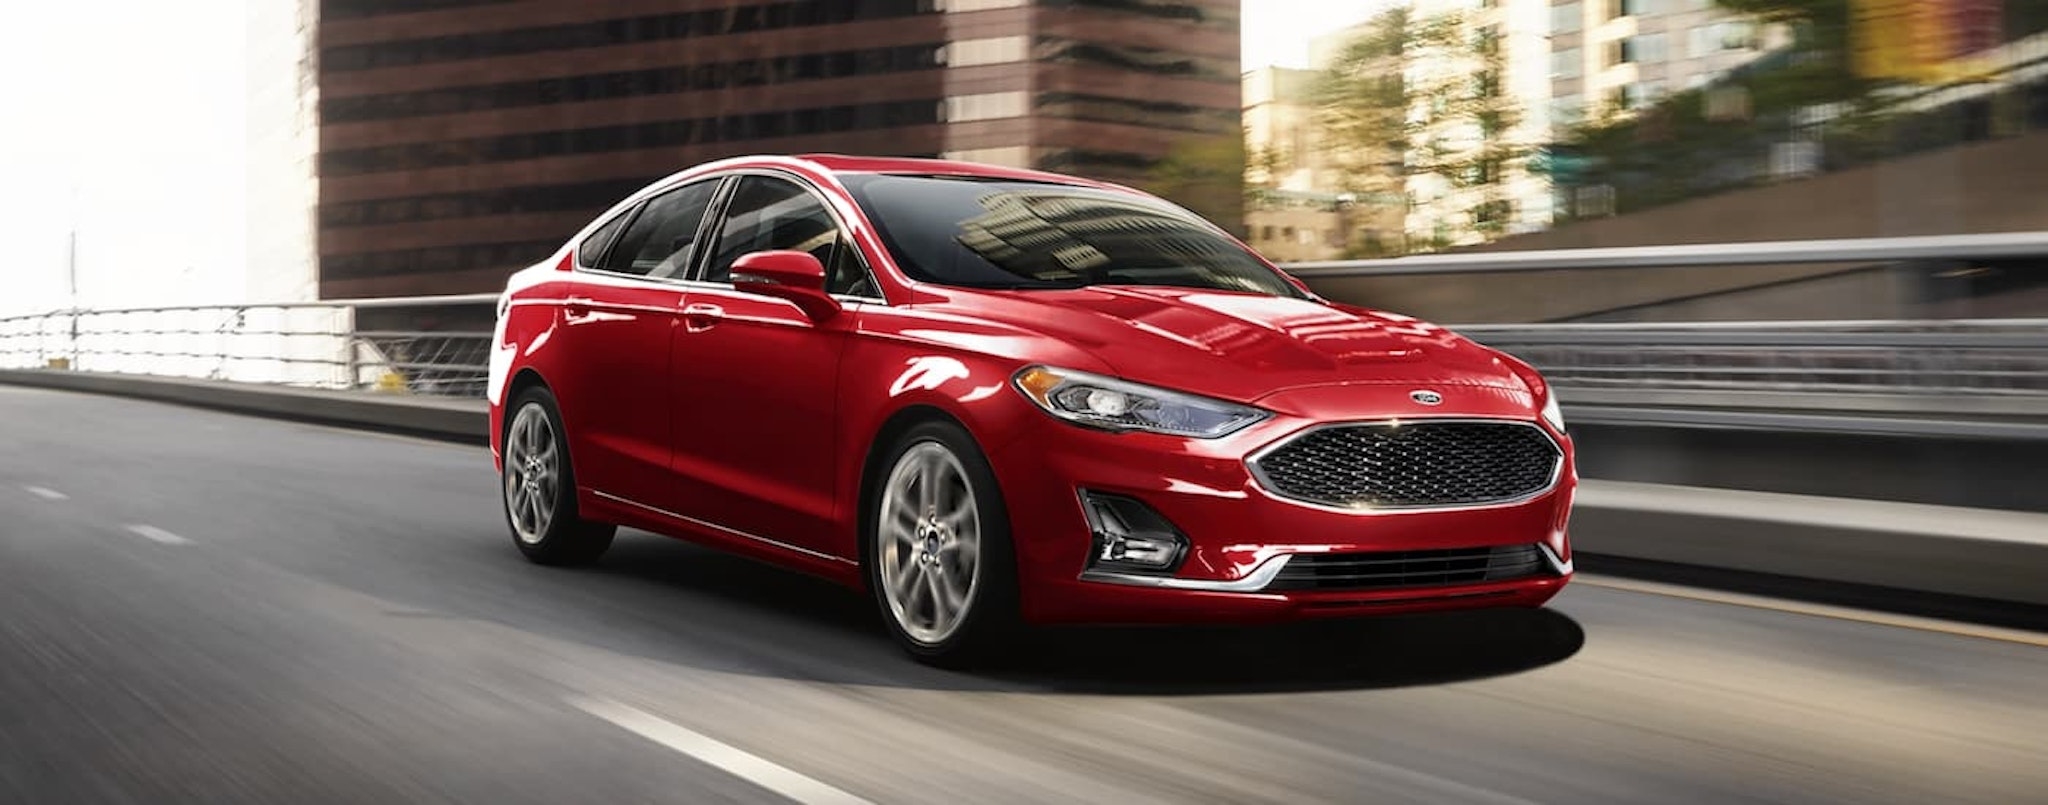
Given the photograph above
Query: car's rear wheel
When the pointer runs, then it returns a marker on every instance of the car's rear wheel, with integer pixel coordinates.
(540, 487)
(938, 549)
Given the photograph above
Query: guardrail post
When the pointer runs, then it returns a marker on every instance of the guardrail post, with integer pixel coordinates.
(352, 371)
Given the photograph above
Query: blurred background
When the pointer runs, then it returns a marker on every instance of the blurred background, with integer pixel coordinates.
(1782, 260)
(290, 150)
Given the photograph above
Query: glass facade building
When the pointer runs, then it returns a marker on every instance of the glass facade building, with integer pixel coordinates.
(462, 139)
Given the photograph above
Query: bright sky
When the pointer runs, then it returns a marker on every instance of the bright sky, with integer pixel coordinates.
(127, 119)
(1277, 32)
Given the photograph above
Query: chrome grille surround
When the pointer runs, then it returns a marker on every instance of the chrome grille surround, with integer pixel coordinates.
(1386, 570)
(1424, 464)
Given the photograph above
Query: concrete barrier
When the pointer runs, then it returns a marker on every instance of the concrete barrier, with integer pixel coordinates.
(450, 419)
(1984, 554)
(1944, 550)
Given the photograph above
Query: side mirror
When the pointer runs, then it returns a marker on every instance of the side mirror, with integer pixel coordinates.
(795, 276)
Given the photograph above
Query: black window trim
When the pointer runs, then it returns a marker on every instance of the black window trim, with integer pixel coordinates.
(632, 216)
(846, 232)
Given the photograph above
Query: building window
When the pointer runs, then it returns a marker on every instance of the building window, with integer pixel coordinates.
(1152, 114)
(350, 9)
(986, 106)
(998, 50)
(1016, 156)
(1567, 63)
(1641, 49)
(1567, 110)
(1634, 8)
(704, 77)
(576, 36)
(1641, 94)
(964, 6)
(1567, 18)
(610, 139)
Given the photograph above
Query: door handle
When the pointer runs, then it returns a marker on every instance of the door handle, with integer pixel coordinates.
(576, 308)
(700, 316)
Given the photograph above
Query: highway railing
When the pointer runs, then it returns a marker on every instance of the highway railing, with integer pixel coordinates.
(310, 345)
(1983, 357)
(395, 345)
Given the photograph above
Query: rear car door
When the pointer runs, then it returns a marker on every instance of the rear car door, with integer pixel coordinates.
(617, 321)
(756, 380)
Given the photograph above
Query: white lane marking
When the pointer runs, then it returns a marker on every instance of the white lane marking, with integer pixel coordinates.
(46, 493)
(153, 533)
(731, 759)
(1914, 622)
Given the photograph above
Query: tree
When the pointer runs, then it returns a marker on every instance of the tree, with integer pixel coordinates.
(1206, 175)
(1461, 118)
(1361, 108)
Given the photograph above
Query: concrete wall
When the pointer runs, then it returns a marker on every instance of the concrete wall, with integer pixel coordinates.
(1999, 186)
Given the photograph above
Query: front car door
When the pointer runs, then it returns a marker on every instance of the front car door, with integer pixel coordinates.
(617, 321)
(756, 380)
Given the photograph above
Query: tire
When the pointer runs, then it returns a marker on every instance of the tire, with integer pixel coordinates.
(538, 487)
(915, 549)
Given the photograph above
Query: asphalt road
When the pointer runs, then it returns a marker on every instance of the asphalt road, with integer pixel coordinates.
(199, 607)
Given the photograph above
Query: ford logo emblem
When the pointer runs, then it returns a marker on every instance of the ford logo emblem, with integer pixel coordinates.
(1425, 397)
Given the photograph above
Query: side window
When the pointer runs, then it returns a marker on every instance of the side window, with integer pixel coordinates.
(592, 247)
(663, 238)
(770, 214)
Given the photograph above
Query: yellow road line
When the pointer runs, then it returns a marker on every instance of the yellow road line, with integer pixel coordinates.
(2019, 636)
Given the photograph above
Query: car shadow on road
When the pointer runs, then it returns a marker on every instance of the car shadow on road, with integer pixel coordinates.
(844, 631)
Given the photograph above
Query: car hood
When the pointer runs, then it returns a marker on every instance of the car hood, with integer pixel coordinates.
(1243, 347)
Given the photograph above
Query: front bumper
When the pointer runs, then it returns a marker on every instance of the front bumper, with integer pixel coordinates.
(1240, 536)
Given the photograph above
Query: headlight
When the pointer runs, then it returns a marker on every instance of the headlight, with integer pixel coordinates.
(1552, 413)
(1112, 404)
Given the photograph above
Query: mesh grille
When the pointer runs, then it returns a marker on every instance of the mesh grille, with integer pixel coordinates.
(1414, 464)
(1435, 568)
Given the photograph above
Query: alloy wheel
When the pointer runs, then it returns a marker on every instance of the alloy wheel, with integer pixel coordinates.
(532, 473)
(930, 543)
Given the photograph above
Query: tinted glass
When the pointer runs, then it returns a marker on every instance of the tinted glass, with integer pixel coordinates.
(770, 214)
(592, 248)
(999, 234)
(663, 239)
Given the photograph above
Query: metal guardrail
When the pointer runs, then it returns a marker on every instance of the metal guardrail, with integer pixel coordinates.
(319, 344)
(1979, 357)
(302, 344)
(1993, 246)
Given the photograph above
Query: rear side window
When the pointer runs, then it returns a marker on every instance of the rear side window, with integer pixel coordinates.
(592, 248)
(662, 241)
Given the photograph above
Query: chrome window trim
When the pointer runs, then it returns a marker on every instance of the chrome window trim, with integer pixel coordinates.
(636, 203)
(824, 200)
(1266, 486)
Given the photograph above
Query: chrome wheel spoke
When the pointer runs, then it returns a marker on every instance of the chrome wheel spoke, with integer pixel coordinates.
(532, 474)
(930, 542)
(908, 578)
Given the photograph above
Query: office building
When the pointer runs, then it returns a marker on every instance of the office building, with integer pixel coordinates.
(462, 139)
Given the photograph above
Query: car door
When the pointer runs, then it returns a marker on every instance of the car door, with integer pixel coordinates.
(756, 379)
(617, 321)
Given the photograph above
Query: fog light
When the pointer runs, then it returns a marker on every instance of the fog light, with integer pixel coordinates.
(1130, 536)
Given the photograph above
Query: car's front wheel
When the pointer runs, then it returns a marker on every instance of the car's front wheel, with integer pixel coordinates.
(540, 487)
(938, 550)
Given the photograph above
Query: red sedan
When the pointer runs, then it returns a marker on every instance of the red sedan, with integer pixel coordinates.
(997, 397)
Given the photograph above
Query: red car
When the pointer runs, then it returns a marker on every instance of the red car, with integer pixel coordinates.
(997, 397)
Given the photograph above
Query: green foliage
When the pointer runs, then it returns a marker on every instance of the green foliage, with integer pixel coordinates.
(1361, 106)
(1205, 175)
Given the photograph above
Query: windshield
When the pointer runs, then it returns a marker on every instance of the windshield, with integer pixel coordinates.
(982, 233)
